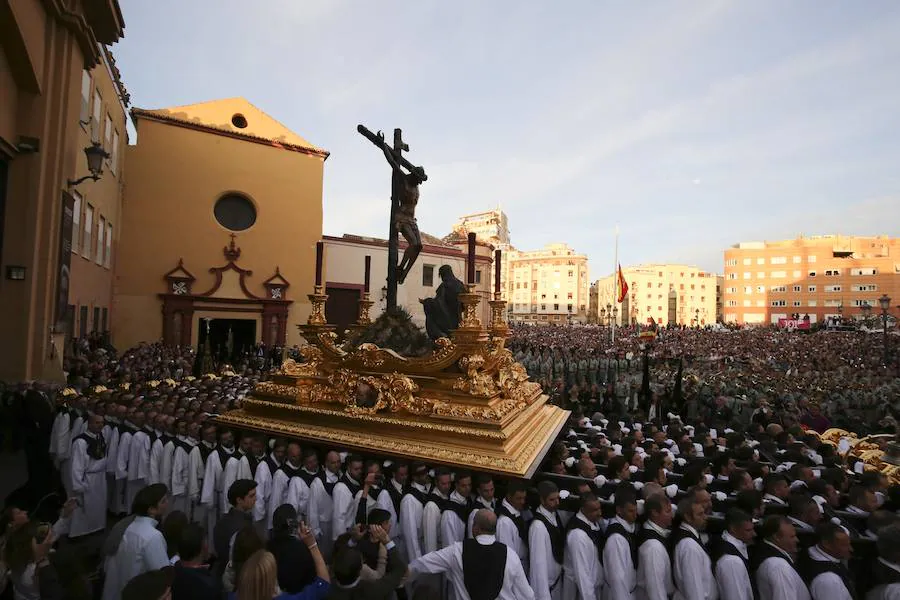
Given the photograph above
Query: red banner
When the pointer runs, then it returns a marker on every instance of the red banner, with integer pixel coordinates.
(792, 324)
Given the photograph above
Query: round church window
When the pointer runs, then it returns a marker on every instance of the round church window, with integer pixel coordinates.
(235, 212)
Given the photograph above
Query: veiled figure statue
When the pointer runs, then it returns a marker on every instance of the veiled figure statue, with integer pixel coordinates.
(442, 312)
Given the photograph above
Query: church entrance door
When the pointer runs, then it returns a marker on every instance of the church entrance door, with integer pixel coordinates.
(229, 339)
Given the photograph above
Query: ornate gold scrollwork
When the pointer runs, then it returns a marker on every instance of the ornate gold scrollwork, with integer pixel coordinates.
(477, 382)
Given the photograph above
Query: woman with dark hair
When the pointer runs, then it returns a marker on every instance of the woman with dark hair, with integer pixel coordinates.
(245, 543)
(18, 562)
(171, 528)
(296, 569)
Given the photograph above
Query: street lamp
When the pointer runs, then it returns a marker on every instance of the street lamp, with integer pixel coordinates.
(885, 302)
(866, 311)
(95, 155)
(615, 319)
(602, 316)
(609, 313)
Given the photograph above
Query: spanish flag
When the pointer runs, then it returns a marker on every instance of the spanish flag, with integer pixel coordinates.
(621, 286)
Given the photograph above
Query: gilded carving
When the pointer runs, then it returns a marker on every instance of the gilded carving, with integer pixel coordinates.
(476, 382)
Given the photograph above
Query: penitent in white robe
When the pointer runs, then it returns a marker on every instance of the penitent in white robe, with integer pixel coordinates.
(731, 573)
(508, 533)
(112, 454)
(453, 529)
(123, 453)
(345, 505)
(546, 573)
(777, 579)
(692, 570)
(263, 479)
(584, 573)
(89, 488)
(61, 447)
(411, 511)
(431, 524)
(142, 549)
(321, 511)
(618, 566)
(138, 466)
(181, 463)
(156, 452)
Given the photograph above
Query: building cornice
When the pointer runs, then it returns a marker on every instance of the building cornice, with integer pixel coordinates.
(426, 248)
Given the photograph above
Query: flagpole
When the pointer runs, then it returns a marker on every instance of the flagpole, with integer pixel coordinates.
(612, 329)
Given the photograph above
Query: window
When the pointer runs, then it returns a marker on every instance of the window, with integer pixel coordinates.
(797, 303)
(104, 315)
(779, 288)
(570, 307)
(87, 243)
(811, 288)
(760, 261)
(832, 288)
(811, 303)
(235, 212)
(114, 153)
(779, 274)
(732, 276)
(85, 113)
(95, 118)
(811, 258)
(798, 288)
(761, 275)
(760, 289)
(864, 271)
(571, 273)
(731, 303)
(779, 303)
(732, 262)
(428, 276)
(556, 307)
(569, 296)
(834, 302)
(747, 261)
(107, 260)
(797, 274)
(543, 307)
(747, 303)
(832, 272)
(778, 260)
(76, 222)
(866, 287)
(96, 319)
(863, 302)
(797, 260)
(107, 135)
(101, 231)
(760, 303)
(812, 273)
(746, 275)
(748, 289)
(82, 321)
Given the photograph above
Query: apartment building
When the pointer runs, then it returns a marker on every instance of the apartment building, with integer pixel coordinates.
(549, 285)
(666, 293)
(820, 276)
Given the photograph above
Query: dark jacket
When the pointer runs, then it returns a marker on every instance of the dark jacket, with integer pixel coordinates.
(194, 584)
(296, 568)
(226, 529)
(374, 590)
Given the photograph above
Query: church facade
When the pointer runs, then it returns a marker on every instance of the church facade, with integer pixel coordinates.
(223, 209)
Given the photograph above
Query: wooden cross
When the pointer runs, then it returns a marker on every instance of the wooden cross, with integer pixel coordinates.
(397, 150)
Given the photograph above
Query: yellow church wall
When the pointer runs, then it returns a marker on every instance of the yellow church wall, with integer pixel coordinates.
(175, 175)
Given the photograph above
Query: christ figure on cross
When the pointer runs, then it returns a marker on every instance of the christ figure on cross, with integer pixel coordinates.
(405, 219)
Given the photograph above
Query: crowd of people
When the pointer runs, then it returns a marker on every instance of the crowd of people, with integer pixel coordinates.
(737, 496)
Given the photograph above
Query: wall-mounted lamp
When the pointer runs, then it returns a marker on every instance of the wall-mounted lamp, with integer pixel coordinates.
(15, 273)
(95, 155)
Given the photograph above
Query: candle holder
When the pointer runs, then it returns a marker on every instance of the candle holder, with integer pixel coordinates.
(364, 305)
(470, 301)
(317, 313)
(499, 328)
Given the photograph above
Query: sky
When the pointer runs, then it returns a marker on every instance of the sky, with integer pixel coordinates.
(690, 125)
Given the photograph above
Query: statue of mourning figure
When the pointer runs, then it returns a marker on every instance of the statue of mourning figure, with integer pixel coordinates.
(442, 312)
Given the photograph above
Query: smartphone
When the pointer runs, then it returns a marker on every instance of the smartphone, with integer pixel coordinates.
(41, 533)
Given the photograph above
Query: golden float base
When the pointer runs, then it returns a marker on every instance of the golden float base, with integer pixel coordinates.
(466, 404)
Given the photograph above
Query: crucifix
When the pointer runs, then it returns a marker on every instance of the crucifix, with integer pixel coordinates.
(404, 198)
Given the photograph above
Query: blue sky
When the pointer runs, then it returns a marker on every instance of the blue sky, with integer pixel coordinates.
(691, 124)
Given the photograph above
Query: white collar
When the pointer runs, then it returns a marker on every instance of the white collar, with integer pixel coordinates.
(654, 527)
(351, 480)
(741, 546)
(550, 516)
(89, 434)
(781, 551)
(801, 524)
(305, 470)
(331, 477)
(774, 499)
(457, 497)
(396, 485)
(210, 445)
(722, 477)
(349, 586)
(856, 510)
(420, 487)
(510, 508)
(593, 526)
(816, 553)
(485, 539)
(485, 503)
(629, 527)
(889, 565)
(227, 450)
(690, 529)
(439, 494)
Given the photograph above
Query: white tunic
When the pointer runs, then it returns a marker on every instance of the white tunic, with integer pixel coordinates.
(196, 472)
(827, 586)
(776, 579)
(156, 452)
(345, 505)
(449, 562)
(546, 573)
(321, 506)
(618, 566)
(229, 476)
(263, 479)
(453, 529)
(61, 437)
(167, 464)
(431, 523)
(479, 504)
(89, 488)
(138, 466)
(584, 573)
(692, 570)
(508, 533)
(215, 490)
(181, 475)
(385, 502)
(123, 452)
(731, 574)
(890, 591)
(142, 549)
(654, 572)
(411, 522)
(111, 435)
